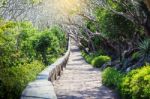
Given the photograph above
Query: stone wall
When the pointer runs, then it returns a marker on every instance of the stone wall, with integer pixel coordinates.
(42, 87)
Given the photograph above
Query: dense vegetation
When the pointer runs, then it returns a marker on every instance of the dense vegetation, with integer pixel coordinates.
(120, 30)
(24, 52)
(15, 79)
(125, 41)
(133, 85)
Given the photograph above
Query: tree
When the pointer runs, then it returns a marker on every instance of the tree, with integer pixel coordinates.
(41, 45)
(134, 10)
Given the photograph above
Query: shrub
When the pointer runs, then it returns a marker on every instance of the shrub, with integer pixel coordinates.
(88, 58)
(111, 77)
(91, 56)
(100, 60)
(13, 80)
(21, 43)
(133, 85)
(136, 84)
(47, 43)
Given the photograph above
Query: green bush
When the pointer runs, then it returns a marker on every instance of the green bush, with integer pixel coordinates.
(100, 60)
(91, 56)
(13, 80)
(133, 85)
(111, 77)
(21, 43)
(47, 43)
(136, 84)
(87, 57)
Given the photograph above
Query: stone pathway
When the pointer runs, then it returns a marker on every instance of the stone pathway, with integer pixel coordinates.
(81, 81)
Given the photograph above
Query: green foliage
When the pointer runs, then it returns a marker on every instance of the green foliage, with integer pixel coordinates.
(14, 79)
(41, 44)
(144, 48)
(16, 43)
(136, 84)
(50, 42)
(133, 85)
(21, 43)
(111, 77)
(135, 56)
(91, 56)
(100, 60)
(91, 26)
(87, 57)
(61, 39)
(21, 48)
(114, 26)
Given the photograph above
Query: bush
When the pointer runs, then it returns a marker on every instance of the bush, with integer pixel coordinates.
(21, 43)
(100, 60)
(136, 84)
(13, 80)
(47, 43)
(133, 85)
(88, 58)
(111, 77)
(91, 56)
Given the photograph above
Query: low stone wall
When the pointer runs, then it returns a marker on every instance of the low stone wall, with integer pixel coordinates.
(42, 87)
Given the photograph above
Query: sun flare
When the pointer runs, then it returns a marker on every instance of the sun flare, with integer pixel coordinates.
(69, 6)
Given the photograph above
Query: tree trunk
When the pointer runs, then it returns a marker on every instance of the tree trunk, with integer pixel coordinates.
(92, 45)
(147, 2)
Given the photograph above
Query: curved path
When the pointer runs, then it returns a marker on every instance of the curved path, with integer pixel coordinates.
(80, 80)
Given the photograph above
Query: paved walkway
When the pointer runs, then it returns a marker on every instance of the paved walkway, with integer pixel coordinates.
(81, 81)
